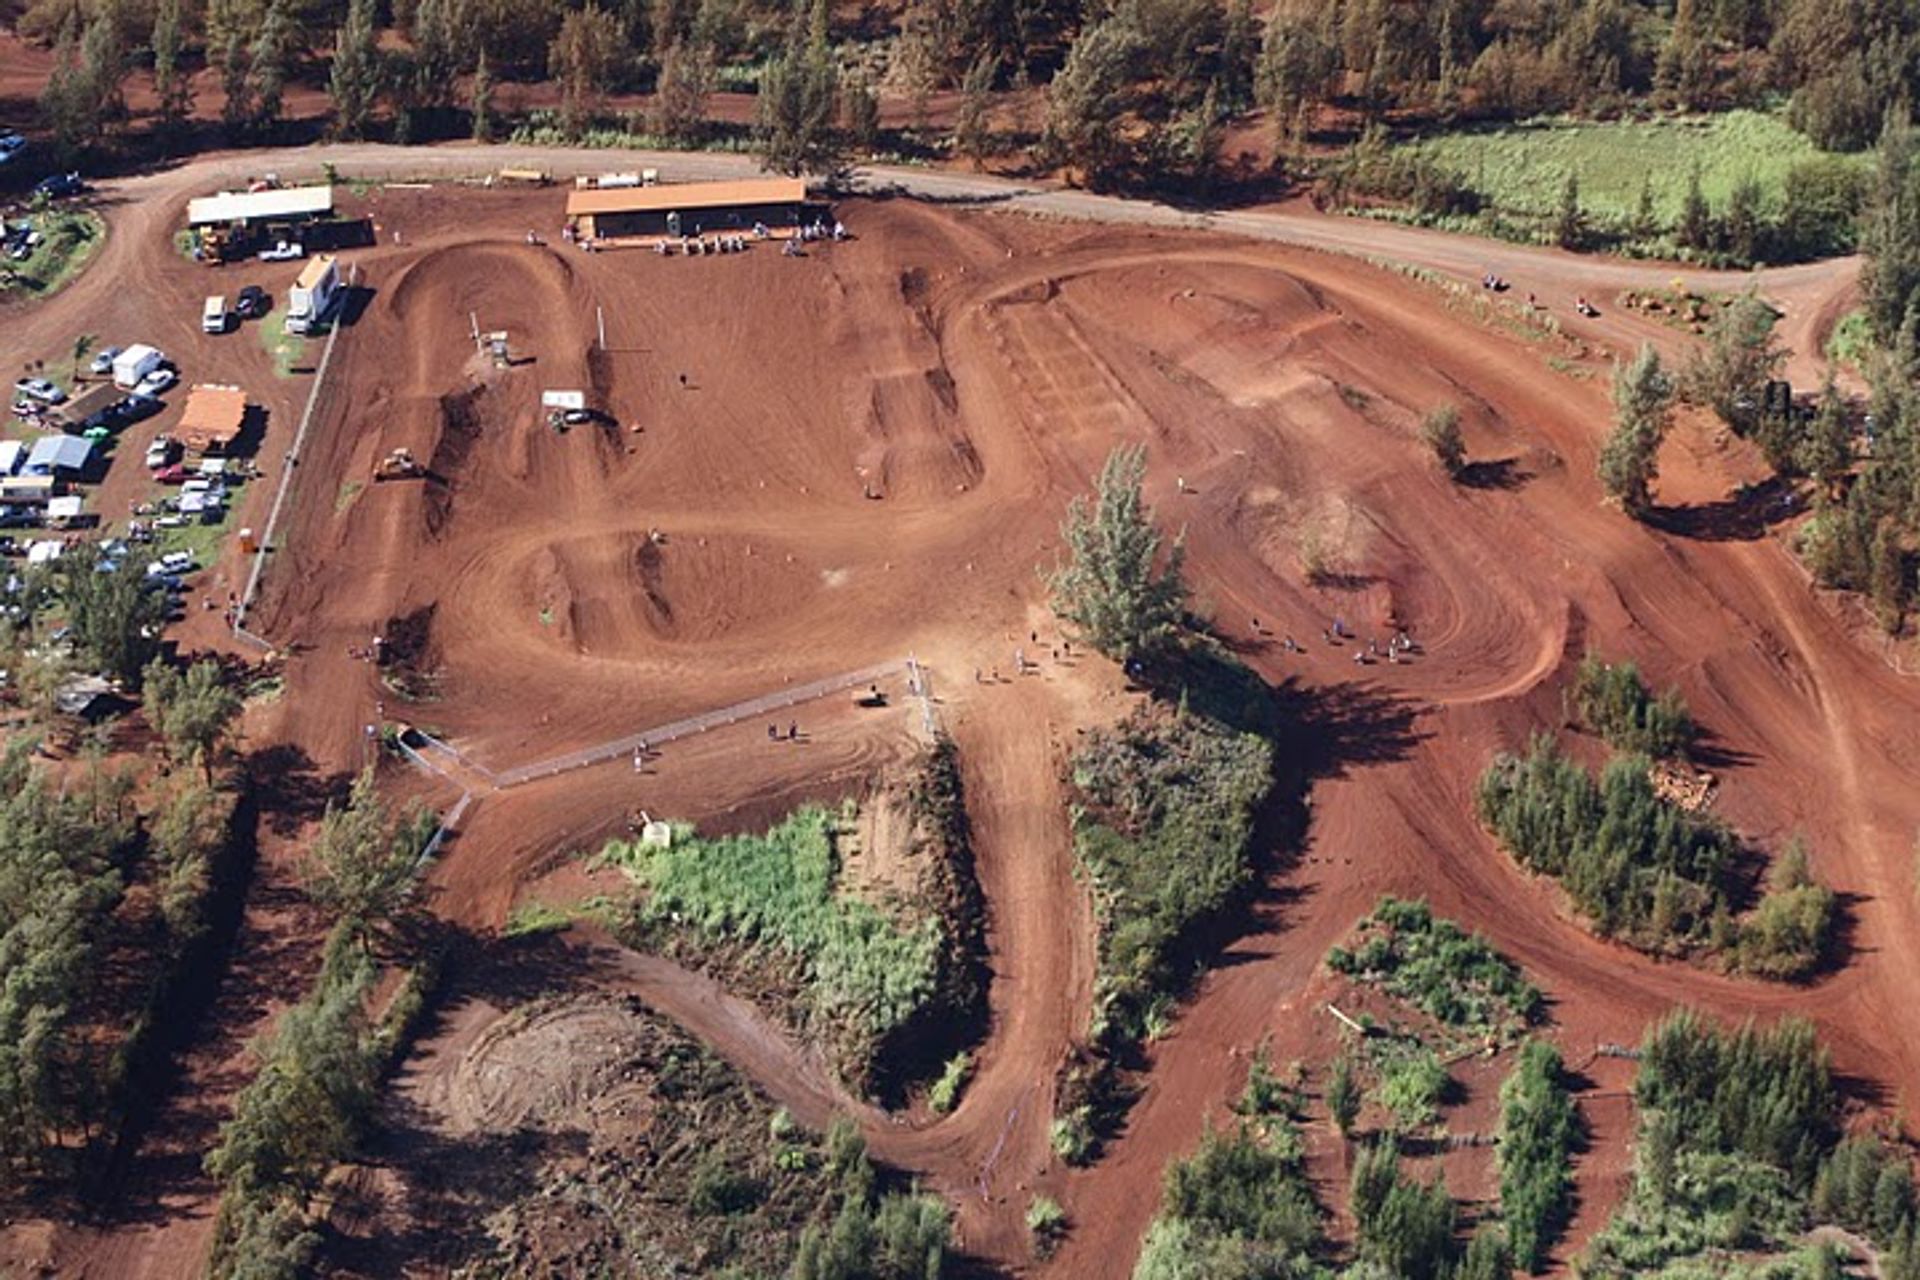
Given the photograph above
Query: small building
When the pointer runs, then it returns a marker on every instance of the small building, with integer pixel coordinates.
(688, 208)
(25, 490)
(91, 408)
(63, 456)
(12, 454)
(88, 697)
(253, 209)
(213, 418)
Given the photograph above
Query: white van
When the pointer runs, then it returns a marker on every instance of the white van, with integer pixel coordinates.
(213, 317)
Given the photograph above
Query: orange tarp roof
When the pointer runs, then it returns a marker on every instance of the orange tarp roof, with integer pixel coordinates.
(213, 416)
(687, 195)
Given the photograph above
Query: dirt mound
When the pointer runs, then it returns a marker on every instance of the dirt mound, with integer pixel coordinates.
(557, 1063)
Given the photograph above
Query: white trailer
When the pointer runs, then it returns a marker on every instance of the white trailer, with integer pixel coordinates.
(135, 363)
(313, 294)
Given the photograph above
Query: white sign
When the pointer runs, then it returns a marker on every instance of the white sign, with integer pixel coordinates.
(563, 399)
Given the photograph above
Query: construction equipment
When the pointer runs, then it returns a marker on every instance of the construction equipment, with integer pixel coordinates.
(399, 465)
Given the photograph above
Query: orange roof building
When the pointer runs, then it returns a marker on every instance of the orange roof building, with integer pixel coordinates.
(213, 418)
(688, 208)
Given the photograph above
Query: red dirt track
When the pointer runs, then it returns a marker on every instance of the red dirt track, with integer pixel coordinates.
(975, 369)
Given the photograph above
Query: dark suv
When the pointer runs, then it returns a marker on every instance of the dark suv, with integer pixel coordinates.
(251, 303)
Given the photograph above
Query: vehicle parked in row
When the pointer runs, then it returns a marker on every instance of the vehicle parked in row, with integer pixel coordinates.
(163, 452)
(173, 474)
(11, 145)
(102, 362)
(40, 389)
(213, 316)
(252, 303)
(54, 186)
(156, 382)
(283, 251)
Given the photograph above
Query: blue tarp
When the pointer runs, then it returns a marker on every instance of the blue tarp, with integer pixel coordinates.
(59, 453)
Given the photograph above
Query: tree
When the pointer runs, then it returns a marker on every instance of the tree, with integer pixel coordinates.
(1744, 226)
(1826, 451)
(355, 78)
(81, 346)
(171, 85)
(482, 93)
(973, 130)
(860, 112)
(231, 25)
(1110, 588)
(187, 832)
(1890, 581)
(1298, 58)
(798, 94)
(1085, 98)
(193, 712)
(1441, 430)
(1741, 356)
(1239, 48)
(583, 58)
(680, 100)
(1343, 1095)
(1696, 220)
(1642, 398)
(1890, 233)
(269, 60)
(363, 861)
(112, 616)
(1538, 1129)
(1570, 226)
(1646, 222)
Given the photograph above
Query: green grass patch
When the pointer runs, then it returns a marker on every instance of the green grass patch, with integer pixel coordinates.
(348, 492)
(1852, 338)
(778, 889)
(533, 918)
(945, 1093)
(1434, 965)
(286, 349)
(69, 240)
(1520, 169)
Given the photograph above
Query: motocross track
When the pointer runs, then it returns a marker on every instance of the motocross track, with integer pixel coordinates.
(974, 370)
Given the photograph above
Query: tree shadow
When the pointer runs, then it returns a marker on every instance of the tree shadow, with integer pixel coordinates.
(292, 792)
(1708, 750)
(1503, 474)
(1743, 516)
(1331, 728)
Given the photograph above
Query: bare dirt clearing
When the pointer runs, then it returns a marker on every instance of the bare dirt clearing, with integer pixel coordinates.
(974, 370)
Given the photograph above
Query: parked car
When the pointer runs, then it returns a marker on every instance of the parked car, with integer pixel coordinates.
(102, 362)
(11, 145)
(164, 451)
(137, 407)
(175, 474)
(252, 302)
(156, 382)
(57, 185)
(176, 562)
(284, 251)
(40, 389)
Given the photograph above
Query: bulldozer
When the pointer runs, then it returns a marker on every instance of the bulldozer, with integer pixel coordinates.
(399, 465)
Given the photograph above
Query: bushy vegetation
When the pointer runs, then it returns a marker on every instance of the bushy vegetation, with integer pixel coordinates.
(1404, 1227)
(1640, 868)
(1789, 933)
(1539, 1129)
(68, 241)
(1733, 188)
(1614, 702)
(899, 979)
(778, 889)
(1241, 1207)
(1737, 1153)
(1433, 964)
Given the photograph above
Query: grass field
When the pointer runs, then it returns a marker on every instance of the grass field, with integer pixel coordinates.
(69, 239)
(287, 349)
(1522, 168)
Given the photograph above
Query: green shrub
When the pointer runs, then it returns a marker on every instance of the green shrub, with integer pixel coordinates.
(1046, 1223)
(1404, 1227)
(1539, 1128)
(953, 1078)
(719, 1190)
(1071, 1136)
(1240, 1206)
(1411, 1088)
(1433, 964)
(1639, 867)
(1614, 702)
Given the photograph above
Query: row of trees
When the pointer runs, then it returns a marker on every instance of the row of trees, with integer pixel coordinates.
(1539, 1129)
(315, 1087)
(1614, 702)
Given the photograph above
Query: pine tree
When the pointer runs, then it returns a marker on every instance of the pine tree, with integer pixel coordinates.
(363, 861)
(482, 96)
(194, 712)
(1343, 1095)
(860, 113)
(1730, 374)
(799, 95)
(1891, 580)
(1113, 587)
(583, 58)
(1743, 221)
(1441, 430)
(269, 61)
(1570, 226)
(680, 98)
(1298, 58)
(1239, 48)
(1696, 220)
(1890, 233)
(354, 81)
(1826, 452)
(1084, 101)
(973, 130)
(1646, 223)
(1642, 398)
(171, 84)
